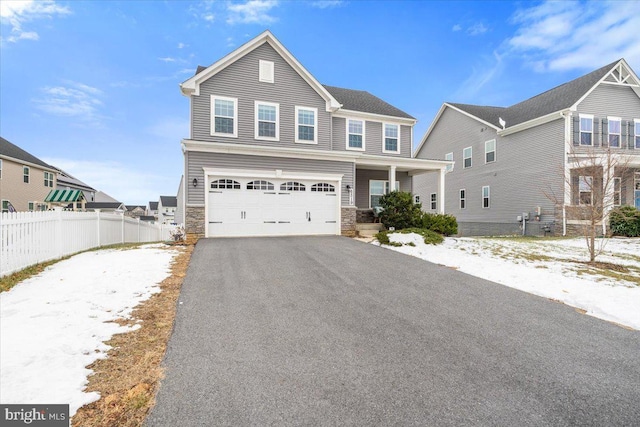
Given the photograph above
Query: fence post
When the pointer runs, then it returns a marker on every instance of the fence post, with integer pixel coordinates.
(122, 227)
(138, 230)
(98, 225)
(60, 248)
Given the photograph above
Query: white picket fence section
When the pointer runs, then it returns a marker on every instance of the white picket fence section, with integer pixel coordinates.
(28, 238)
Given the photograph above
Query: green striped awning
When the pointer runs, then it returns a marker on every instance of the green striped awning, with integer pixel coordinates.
(64, 196)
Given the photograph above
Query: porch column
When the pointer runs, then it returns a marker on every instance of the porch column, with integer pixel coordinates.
(608, 171)
(392, 178)
(441, 176)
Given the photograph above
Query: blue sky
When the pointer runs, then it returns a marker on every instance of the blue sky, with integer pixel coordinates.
(92, 87)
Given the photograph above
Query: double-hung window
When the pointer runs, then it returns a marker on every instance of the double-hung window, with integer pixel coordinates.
(463, 198)
(377, 189)
(434, 201)
(306, 118)
(585, 189)
(617, 191)
(466, 155)
(615, 128)
(267, 121)
(636, 128)
(5, 206)
(490, 151)
(225, 116)
(449, 157)
(486, 197)
(25, 174)
(391, 143)
(48, 179)
(586, 129)
(355, 134)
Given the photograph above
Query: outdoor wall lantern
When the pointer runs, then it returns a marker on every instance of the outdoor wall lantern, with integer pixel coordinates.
(195, 182)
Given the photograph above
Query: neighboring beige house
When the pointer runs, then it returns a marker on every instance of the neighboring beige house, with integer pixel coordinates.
(25, 180)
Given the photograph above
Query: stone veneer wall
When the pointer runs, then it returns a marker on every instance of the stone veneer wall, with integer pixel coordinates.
(348, 224)
(194, 223)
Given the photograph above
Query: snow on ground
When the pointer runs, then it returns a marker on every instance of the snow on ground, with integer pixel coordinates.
(55, 324)
(545, 267)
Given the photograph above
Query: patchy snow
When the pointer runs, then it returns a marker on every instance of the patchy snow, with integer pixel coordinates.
(545, 267)
(55, 324)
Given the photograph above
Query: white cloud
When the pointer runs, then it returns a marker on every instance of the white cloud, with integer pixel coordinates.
(481, 74)
(477, 29)
(182, 45)
(16, 13)
(251, 12)
(167, 59)
(209, 17)
(559, 36)
(326, 4)
(73, 100)
(130, 184)
(456, 27)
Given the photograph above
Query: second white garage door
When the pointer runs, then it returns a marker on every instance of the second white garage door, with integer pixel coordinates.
(271, 207)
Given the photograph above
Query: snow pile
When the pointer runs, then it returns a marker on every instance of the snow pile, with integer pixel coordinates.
(55, 324)
(546, 268)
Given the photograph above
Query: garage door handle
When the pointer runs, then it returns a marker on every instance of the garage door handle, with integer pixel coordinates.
(215, 222)
(285, 194)
(284, 222)
(330, 222)
(331, 194)
(215, 191)
(269, 222)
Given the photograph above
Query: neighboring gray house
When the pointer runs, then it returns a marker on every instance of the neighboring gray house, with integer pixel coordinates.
(116, 207)
(524, 158)
(152, 209)
(179, 215)
(271, 151)
(167, 209)
(66, 181)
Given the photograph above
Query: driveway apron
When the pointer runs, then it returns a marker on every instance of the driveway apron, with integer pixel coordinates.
(332, 331)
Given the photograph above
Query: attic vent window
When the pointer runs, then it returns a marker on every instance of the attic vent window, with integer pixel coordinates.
(266, 71)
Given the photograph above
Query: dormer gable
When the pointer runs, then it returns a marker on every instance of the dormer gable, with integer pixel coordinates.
(192, 85)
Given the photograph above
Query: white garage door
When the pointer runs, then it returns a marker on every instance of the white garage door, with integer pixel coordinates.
(271, 207)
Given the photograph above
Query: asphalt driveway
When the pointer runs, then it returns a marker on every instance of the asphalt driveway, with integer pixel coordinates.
(331, 331)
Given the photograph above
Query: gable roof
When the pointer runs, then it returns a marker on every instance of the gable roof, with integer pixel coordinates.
(66, 179)
(360, 100)
(153, 206)
(169, 201)
(134, 207)
(556, 99)
(560, 98)
(9, 149)
(191, 86)
(103, 205)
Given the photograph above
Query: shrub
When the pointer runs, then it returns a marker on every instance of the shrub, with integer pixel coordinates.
(625, 221)
(400, 211)
(430, 237)
(440, 223)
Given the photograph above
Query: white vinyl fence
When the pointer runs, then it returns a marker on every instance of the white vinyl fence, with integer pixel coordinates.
(28, 238)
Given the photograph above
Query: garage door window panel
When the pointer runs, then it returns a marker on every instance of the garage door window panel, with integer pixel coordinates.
(260, 185)
(292, 186)
(323, 187)
(225, 184)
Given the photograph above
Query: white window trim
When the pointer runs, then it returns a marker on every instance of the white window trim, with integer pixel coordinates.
(262, 63)
(590, 191)
(460, 198)
(364, 124)
(384, 136)
(433, 201)
(50, 174)
(2, 205)
(495, 151)
(464, 166)
(488, 187)
(28, 174)
(213, 116)
(315, 125)
(449, 168)
(270, 104)
(636, 136)
(619, 191)
(33, 207)
(386, 183)
(609, 133)
(585, 116)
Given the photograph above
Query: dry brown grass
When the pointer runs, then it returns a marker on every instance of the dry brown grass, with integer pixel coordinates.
(128, 378)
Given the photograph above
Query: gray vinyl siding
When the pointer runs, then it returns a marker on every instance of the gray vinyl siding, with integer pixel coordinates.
(528, 164)
(372, 137)
(240, 80)
(363, 176)
(608, 101)
(198, 160)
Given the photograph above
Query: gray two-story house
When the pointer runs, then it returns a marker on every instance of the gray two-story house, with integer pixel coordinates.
(541, 160)
(272, 151)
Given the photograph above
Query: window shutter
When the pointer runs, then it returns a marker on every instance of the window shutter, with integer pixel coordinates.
(576, 131)
(575, 189)
(631, 139)
(603, 135)
(624, 124)
(623, 192)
